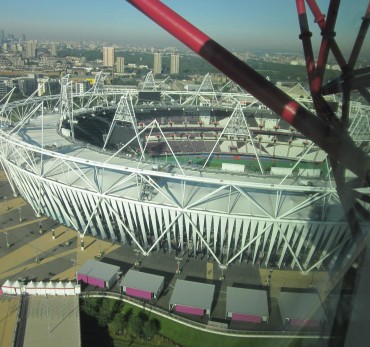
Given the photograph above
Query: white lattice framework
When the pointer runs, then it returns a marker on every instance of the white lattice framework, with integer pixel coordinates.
(199, 98)
(258, 219)
(124, 113)
(66, 103)
(149, 83)
(97, 92)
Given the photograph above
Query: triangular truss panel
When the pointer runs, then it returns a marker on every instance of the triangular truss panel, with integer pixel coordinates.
(360, 124)
(169, 83)
(205, 95)
(160, 147)
(125, 113)
(97, 97)
(149, 83)
(66, 103)
(236, 127)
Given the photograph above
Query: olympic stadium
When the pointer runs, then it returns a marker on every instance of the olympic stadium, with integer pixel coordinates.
(205, 173)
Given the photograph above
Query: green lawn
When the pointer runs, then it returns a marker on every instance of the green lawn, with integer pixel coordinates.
(251, 164)
(189, 337)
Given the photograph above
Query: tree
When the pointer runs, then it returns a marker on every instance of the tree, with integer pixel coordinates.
(118, 324)
(151, 328)
(91, 306)
(107, 310)
(136, 323)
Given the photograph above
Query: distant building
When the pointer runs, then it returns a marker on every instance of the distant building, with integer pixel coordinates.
(157, 64)
(53, 50)
(2, 37)
(175, 64)
(41, 86)
(108, 56)
(31, 49)
(82, 87)
(3, 87)
(45, 85)
(27, 86)
(120, 65)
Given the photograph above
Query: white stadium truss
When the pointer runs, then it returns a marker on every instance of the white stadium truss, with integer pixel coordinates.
(274, 221)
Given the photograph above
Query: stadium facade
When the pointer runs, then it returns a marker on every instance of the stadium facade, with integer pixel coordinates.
(204, 173)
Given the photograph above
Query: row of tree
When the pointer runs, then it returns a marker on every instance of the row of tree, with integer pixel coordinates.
(112, 313)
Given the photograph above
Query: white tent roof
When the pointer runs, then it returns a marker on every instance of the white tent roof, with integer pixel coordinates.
(69, 285)
(50, 285)
(31, 285)
(60, 285)
(7, 284)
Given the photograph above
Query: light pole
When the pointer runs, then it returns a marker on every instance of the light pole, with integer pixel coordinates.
(74, 261)
(223, 268)
(137, 251)
(20, 215)
(6, 202)
(37, 259)
(7, 241)
(178, 260)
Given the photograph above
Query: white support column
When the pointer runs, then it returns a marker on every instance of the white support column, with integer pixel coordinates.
(154, 216)
(272, 244)
(260, 227)
(290, 248)
(230, 234)
(246, 224)
(216, 223)
(286, 229)
(251, 240)
(200, 236)
(85, 203)
(164, 231)
(315, 241)
(142, 225)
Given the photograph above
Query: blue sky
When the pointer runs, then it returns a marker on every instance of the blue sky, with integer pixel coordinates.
(236, 24)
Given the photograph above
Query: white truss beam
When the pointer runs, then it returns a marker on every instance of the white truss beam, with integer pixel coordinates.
(149, 83)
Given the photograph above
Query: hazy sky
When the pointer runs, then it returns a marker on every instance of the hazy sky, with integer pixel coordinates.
(236, 24)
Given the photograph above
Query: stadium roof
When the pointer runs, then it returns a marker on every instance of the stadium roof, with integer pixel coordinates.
(171, 183)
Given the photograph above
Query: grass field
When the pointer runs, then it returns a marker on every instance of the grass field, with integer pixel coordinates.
(188, 337)
(250, 163)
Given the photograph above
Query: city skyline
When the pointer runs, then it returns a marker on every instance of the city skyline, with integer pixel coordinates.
(243, 25)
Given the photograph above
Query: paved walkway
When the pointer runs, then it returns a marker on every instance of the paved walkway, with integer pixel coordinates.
(8, 319)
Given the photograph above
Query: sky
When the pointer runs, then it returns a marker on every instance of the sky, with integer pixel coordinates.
(236, 24)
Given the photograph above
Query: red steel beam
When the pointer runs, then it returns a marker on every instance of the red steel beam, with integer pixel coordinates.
(323, 110)
(327, 38)
(335, 142)
(320, 20)
(305, 36)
